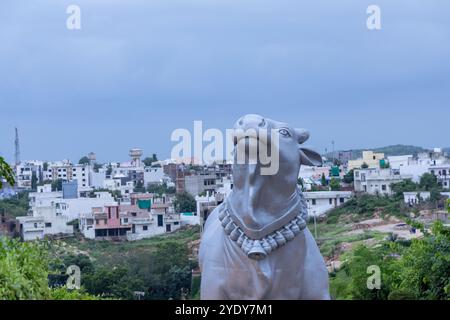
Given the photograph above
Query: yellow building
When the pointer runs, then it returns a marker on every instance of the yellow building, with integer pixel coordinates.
(370, 158)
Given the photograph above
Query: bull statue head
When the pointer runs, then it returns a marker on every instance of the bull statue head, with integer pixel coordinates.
(261, 204)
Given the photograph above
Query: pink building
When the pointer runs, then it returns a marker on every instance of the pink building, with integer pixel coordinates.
(108, 223)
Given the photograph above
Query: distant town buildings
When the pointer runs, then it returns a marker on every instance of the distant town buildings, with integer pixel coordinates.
(113, 201)
(369, 158)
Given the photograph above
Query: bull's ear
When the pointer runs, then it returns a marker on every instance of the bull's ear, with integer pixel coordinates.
(302, 135)
(309, 157)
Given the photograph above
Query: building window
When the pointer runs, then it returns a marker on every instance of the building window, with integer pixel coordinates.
(313, 202)
(125, 220)
(176, 223)
(48, 224)
(383, 187)
(145, 228)
(160, 220)
(341, 200)
(331, 201)
(35, 225)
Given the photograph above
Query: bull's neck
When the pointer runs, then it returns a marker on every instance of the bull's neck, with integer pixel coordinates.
(257, 195)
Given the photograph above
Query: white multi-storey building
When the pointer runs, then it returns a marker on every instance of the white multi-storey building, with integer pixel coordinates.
(25, 172)
(377, 181)
(442, 173)
(67, 171)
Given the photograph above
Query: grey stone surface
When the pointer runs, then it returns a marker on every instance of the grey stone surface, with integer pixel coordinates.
(256, 245)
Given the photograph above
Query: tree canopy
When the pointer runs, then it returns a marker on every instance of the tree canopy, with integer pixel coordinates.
(149, 160)
(6, 173)
(84, 160)
(184, 202)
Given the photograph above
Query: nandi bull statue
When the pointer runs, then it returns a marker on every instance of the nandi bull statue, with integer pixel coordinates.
(256, 245)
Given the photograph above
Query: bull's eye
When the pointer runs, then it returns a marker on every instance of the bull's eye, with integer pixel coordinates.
(284, 132)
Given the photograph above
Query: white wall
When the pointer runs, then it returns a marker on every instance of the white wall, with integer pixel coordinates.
(319, 202)
(153, 175)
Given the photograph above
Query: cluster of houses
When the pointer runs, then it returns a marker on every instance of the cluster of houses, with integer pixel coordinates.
(98, 215)
(110, 201)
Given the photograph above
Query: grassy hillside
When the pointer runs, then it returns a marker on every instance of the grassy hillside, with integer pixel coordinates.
(159, 267)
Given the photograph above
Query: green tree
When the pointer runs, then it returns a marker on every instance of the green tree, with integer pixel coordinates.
(6, 173)
(116, 194)
(149, 160)
(57, 185)
(84, 160)
(184, 202)
(34, 181)
(17, 206)
(363, 257)
(428, 182)
(97, 166)
(139, 187)
(109, 170)
(323, 180)
(160, 188)
(335, 184)
(404, 186)
(24, 272)
(349, 177)
(425, 266)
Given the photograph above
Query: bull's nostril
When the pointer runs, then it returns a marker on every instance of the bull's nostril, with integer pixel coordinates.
(262, 123)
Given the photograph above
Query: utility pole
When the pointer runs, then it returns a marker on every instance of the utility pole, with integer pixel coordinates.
(332, 142)
(17, 148)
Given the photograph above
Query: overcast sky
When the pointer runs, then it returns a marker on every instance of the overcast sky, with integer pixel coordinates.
(138, 69)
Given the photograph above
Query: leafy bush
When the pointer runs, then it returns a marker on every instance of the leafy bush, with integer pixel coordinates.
(418, 271)
(24, 273)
